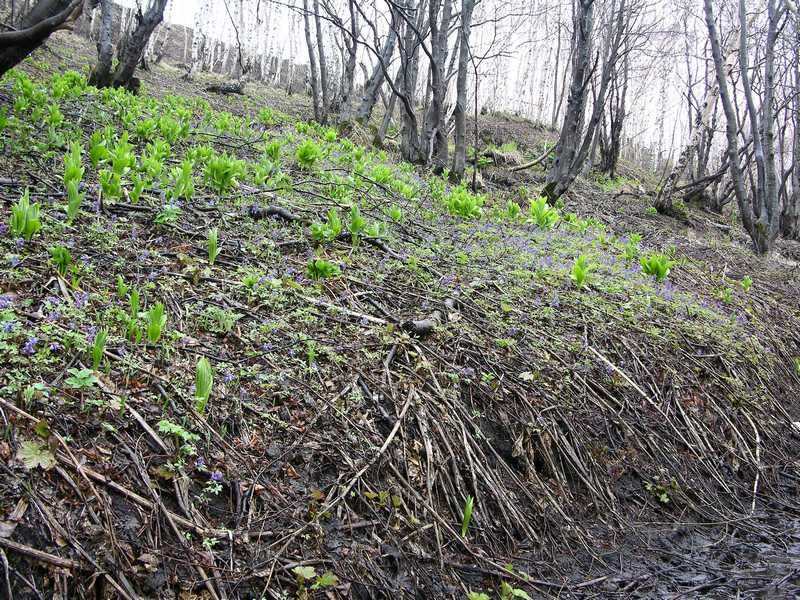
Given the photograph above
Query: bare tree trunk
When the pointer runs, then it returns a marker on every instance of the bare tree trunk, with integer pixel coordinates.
(758, 210)
(373, 84)
(410, 145)
(560, 176)
(312, 60)
(460, 114)
(323, 64)
(35, 27)
(101, 74)
(345, 102)
(702, 124)
(790, 219)
(133, 44)
(435, 126)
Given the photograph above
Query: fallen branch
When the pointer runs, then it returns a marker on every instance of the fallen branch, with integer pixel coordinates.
(52, 559)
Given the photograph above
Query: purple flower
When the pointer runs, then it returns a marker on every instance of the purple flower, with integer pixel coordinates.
(85, 258)
(4, 228)
(53, 316)
(29, 346)
(90, 333)
(200, 463)
(266, 347)
(555, 302)
(5, 301)
(13, 260)
(81, 299)
(216, 476)
(467, 372)
(8, 326)
(55, 347)
(20, 243)
(228, 377)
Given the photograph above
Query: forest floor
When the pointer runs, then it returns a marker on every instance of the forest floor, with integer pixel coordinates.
(384, 347)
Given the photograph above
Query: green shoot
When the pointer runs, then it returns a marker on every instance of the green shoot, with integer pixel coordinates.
(25, 218)
(203, 382)
(61, 259)
(212, 244)
(98, 347)
(656, 265)
(322, 269)
(580, 270)
(156, 319)
(467, 515)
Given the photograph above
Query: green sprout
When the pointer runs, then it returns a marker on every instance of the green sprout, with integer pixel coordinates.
(203, 382)
(156, 319)
(61, 259)
(212, 244)
(656, 265)
(468, 505)
(322, 269)
(98, 347)
(25, 217)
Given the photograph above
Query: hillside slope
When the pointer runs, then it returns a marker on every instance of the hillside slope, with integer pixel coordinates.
(383, 346)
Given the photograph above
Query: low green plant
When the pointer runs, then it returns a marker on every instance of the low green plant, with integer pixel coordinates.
(327, 232)
(61, 258)
(110, 184)
(156, 319)
(651, 211)
(75, 200)
(463, 203)
(73, 165)
(631, 248)
(98, 347)
(746, 283)
(357, 223)
(168, 215)
(98, 148)
(80, 378)
(203, 382)
(308, 154)
(581, 269)
(322, 269)
(182, 181)
(212, 244)
(395, 213)
(273, 151)
(25, 217)
(122, 288)
(541, 214)
(656, 265)
(513, 211)
(508, 592)
(266, 117)
(223, 172)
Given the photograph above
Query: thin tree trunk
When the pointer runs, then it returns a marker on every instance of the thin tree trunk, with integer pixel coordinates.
(312, 60)
(101, 74)
(460, 114)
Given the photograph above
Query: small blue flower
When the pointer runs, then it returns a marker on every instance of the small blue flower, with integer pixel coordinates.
(20, 243)
(216, 476)
(30, 345)
(81, 299)
(13, 260)
(8, 326)
(55, 347)
(4, 228)
(5, 301)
